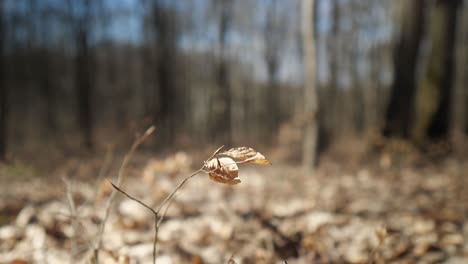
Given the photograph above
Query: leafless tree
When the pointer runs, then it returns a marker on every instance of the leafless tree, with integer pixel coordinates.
(164, 32)
(334, 44)
(440, 72)
(273, 32)
(310, 90)
(220, 105)
(80, 17)
(3, 89)
(398, 116)
(460, 105)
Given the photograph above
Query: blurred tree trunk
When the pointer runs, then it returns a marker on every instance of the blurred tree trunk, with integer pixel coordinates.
(273, 105)
(372, 91)
(435, 90)
(460, 97)
(370, 85)
(333, 123)
(220, 120)
(357, 103)
(83, 79)
(465, 71)
(167, 105)
(83, 86)
(310, 89)
(47, 82)
(3, 90)
(398, 116)
(148, 98)
(272, 38)
(47, 91)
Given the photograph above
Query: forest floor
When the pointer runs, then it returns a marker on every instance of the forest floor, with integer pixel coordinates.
(377, 211)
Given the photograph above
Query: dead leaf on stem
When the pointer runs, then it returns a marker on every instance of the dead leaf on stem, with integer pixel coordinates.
(246, 154)
(223, 170)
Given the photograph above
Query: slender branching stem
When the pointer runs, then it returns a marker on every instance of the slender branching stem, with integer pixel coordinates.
(166, 203)
(181, 184)
(120, 177)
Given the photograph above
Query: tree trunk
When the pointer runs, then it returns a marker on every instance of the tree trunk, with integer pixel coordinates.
(83, 86)
(3, 92)
(371, 93)
(465, 74)
(357, 102)
(461, 84)
(3, 114)
(272, 105)
(223, 123)
(435, 90)
(47, 92)
(220, 120)
(167, 113)
(335, 108)
(398, 116)
(310, 90)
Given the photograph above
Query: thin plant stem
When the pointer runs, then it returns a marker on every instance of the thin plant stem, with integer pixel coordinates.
(181, 184)
(166, 203)
(158, 224)
(106, 164)
(120, 177)
(134, 199)
(73, 214)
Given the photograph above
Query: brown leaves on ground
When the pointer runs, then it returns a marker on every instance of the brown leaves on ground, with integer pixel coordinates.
(225, 170)
(344, 214)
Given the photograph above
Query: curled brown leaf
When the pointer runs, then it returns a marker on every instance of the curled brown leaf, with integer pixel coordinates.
(223, 170)
(246, 154)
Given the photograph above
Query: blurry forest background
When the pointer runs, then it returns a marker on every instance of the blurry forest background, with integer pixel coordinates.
(378, 89)
(85, 74)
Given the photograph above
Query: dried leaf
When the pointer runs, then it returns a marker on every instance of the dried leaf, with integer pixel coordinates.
(223, 170)
(247, 155)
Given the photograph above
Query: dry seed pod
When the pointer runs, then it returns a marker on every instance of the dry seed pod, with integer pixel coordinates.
(223, 170)
(247, 155)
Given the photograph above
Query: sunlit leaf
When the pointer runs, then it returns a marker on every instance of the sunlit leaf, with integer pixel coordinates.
(246, 154)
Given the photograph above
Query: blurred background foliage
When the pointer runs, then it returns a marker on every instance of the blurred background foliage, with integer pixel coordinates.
(83, 74)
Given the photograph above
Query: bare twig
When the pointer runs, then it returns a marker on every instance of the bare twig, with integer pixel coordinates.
(134, 199)
(120, 177)
(166, 203)
(73, 215)
(216, 152)
(181, 184)
(105, 165)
